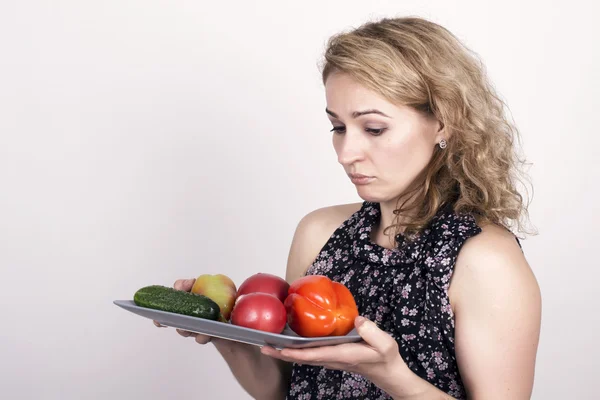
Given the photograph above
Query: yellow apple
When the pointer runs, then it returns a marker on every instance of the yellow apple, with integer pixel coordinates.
(220, 289)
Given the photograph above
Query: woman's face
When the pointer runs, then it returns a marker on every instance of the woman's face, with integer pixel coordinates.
(390, 145)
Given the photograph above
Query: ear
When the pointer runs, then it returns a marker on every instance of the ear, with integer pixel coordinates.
(441, 131)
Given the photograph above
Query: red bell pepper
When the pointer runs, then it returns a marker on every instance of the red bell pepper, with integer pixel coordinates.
(317, 306)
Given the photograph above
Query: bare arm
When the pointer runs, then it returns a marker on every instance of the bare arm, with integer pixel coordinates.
(497, 306)
(260, 376)
(264, 377)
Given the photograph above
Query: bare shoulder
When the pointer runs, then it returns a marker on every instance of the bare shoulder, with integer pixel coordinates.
(492, 257)
(311, 234)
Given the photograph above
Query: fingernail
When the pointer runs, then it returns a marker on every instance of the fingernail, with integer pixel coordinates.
(359, 321)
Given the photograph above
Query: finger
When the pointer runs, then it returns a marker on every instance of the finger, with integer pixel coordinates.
(278, 355)
(341, 367)
(158, 324)
(185, 333)
(271, 352)
(202, 339)
(379, 340)
(349, 354)
(184, 284)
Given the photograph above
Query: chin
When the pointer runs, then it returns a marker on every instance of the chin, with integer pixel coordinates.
(370, 195)
(373, 196)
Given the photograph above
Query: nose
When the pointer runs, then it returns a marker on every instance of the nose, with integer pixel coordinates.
(350, 148)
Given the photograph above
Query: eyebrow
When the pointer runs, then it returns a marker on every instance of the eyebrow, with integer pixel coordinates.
(357, 114)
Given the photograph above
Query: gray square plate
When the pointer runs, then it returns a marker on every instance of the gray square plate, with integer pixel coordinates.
(287, 338)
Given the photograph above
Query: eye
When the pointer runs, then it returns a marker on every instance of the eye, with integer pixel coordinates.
(372, 131)
(375, 132)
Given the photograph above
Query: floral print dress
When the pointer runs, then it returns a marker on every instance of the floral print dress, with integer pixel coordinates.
(403, 290)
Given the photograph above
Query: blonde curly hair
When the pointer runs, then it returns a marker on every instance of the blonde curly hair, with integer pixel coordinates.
(417, 63)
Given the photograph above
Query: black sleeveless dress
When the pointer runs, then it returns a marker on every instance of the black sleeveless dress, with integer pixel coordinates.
(403, 290)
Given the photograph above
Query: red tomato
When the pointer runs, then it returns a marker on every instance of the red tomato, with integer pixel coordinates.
(259, 311)
(317, 306)
(265, 283)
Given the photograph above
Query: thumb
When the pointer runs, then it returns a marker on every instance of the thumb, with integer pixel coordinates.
(380, 340)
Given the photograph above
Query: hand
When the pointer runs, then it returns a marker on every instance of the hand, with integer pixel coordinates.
(377, 358)
(186, 285)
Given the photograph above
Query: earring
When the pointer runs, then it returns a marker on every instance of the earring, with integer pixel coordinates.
(443, 144)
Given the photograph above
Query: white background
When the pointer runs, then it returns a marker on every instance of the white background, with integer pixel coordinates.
(146, 141)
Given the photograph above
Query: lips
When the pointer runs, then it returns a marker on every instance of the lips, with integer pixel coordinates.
(360, 179)
(358, 176)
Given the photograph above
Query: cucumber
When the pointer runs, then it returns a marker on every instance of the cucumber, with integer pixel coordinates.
(177, 301)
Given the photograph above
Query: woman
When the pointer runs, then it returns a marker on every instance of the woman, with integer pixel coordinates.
(449, 306)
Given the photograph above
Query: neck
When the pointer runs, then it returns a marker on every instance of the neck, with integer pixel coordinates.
(388, 218)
